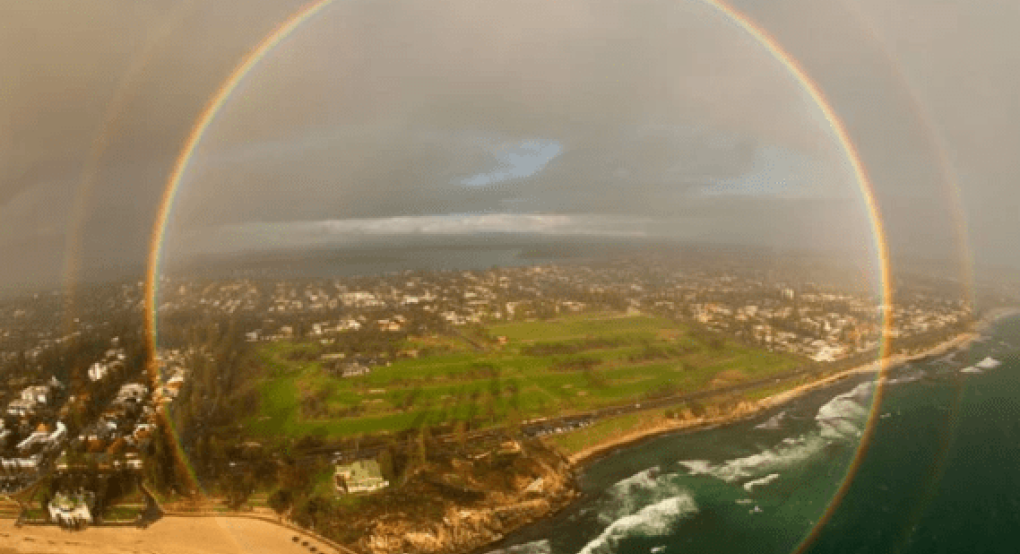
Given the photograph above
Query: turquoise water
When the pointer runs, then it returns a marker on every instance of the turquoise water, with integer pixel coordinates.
(941, 475)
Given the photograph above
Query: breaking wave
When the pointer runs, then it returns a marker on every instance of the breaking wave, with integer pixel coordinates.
(988, 363)
(641, 489)
(537, 547)
(764, 481)
(651, 521)
(771, 460)
(639, 481)
(774, 423)
(839, 420)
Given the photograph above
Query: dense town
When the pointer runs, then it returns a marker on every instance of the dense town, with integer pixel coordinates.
(76, 418)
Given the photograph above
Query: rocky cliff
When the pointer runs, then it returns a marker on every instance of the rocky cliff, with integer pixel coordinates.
(461, 504)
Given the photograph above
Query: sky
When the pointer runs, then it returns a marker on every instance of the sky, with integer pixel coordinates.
(397, 118)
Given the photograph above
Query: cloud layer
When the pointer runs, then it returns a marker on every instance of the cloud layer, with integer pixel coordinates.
(613, 116)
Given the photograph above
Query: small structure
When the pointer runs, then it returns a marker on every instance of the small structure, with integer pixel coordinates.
(71, 511)
(20, 407)
(360, 476)
(354, 369)
(98, 371)
(39, 394)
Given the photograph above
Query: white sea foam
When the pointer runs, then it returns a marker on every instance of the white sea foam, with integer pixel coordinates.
(641, 480)
(536, 547)
(906, 378)
(654, 520)
(948, 358)
(774, 423)
(641, 489)
(764, 481)
(840, 419)
(786, 455)
(697, 467)
(970, 369)
(988, 363)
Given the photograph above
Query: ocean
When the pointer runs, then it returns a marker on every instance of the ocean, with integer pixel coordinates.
(942, 473)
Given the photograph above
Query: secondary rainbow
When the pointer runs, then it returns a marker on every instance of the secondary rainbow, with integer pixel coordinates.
(762, 37)
(809, 86)
(89, 174)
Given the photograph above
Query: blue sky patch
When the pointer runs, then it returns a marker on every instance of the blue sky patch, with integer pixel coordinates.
(516, 161)
(777, 172)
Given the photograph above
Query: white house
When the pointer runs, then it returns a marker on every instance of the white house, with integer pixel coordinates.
(40, 394)
(98, 371)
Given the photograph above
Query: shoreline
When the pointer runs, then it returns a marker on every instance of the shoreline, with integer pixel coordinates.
(229, 533)
(750, 409)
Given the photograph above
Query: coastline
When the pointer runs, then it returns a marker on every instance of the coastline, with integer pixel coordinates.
(232, 533)
(749, 409)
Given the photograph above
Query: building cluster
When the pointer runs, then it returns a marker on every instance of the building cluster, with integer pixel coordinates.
(824, 326)
(779, 312)
(780, 307)
(120, 420)
(30, 433)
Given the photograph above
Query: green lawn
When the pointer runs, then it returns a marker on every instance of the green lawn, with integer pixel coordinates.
(539, 372)
(603, 430)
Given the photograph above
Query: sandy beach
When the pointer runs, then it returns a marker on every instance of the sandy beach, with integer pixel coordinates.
(751, 409)
(170, 535)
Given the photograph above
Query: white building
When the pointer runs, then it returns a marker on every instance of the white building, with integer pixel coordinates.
(98, 371)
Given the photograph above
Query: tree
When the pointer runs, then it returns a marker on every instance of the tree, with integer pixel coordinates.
(281, 500)
(240, 485)
(460, 432)
(423, 439)
(387, 466)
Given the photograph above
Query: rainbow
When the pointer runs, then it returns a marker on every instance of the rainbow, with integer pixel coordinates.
(763, 38)
(951, 186)
(88, 176)
(760, 36)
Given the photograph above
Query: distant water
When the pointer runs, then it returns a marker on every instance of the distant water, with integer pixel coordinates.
(294, 265)
(942, 475)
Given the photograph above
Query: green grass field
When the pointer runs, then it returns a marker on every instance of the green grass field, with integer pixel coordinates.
(546, 368)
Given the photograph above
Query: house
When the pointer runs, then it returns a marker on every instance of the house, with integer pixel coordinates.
(40, 437)
(390, 325)
(132, 391)
(40, 394)
(360, 476)
(71, 511)
(353, 369)
(16, 466)
(98, 371)
(20, 407)
(59, 434)
(174, 384)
